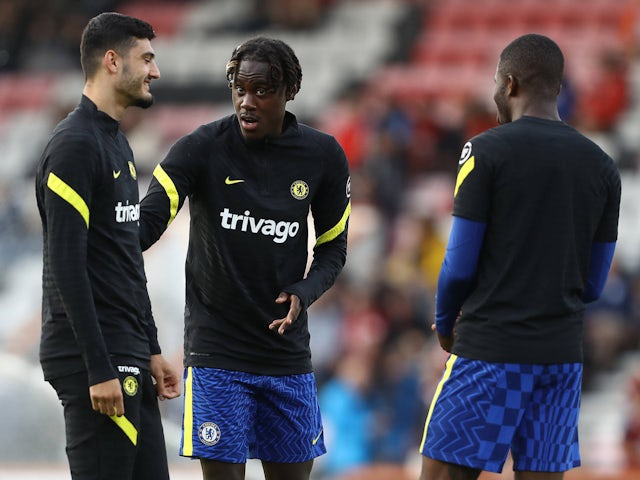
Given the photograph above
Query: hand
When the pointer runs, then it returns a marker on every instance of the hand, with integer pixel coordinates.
(106, 397)
(446, 341)
(283, 324)
(167, 379)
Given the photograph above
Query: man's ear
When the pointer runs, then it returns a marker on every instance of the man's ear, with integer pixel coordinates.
(111, 61)
(512, 86)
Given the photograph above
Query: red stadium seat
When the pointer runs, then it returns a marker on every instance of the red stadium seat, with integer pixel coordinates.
(25, 91)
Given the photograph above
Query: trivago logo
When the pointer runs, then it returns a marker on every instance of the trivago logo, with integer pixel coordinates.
(127, 213)
(280, 231)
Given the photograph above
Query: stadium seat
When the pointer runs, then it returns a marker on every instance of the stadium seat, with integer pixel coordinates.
(25, 91)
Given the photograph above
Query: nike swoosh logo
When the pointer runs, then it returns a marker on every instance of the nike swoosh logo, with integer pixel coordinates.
(228, 181)
(315, 440)
(116, 174)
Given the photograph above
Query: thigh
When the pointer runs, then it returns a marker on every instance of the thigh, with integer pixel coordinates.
(97, 448)
(288, 422)
(474, 414)
(538, 476)
(287, 471)
(219, 411)
(214, 470)
(151, 458)
(547, 439)
(437, 470)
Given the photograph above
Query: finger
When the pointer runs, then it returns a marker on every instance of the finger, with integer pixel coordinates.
(285, 324)
(160, 386)
(282, 297)
(172, 393)
(168, 391)
(120, 407)
(275, 324)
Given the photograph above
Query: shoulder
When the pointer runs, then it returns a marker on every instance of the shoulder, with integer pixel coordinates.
(208, 134)
(489, 144)
(320, 141)
(73, 136)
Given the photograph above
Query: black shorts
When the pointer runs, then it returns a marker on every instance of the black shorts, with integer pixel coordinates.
(97, 447)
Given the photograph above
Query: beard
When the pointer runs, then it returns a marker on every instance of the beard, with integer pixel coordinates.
(142, 102)
(131, 88)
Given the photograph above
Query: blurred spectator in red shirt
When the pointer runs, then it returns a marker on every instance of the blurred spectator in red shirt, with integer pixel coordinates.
(602, 104)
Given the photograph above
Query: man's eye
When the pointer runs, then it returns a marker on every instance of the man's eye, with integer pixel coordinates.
(261, 92)
(240, 90)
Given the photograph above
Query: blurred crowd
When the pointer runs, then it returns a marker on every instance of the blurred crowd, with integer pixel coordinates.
(376, 359)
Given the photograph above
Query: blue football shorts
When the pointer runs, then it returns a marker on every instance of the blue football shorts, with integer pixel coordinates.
(482, 410)
(231, 416)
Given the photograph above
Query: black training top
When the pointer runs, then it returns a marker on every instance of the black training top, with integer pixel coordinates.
(546, 193)
(95, 303)
(249, 205)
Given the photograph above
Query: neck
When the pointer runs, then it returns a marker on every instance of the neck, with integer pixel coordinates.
(104, 98)
(537, 108)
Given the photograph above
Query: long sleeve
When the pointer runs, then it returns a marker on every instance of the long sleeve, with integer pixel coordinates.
(330, 210)
(599, 266)
(69, 178)
(458, 271)
(166, 194)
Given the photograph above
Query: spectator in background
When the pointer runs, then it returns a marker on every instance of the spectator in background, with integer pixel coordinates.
(567, 101)
(611, 324)
(43, 36)
(385, 159)
(397, 396)
(477, 118)
(13, 24)
(346, 404)
(602, 104)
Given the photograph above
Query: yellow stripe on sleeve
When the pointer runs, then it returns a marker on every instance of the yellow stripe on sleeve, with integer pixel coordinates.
(127, 427)
(447, 373)
(337, 229)
(187, 425)
(170, 189)
(68, 194)
(466, 169)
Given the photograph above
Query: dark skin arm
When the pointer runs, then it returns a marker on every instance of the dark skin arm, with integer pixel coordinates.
(446, 342)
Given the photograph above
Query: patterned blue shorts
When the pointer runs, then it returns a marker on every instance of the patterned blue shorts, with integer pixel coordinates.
(482, 410)
(231, 416)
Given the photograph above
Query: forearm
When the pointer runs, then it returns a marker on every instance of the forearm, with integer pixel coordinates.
(599, 267)
(329, 259)
(73, 285)
(458, 272)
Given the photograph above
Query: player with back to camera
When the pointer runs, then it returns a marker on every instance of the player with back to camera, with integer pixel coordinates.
(99, 348)
(535, 221)
(252, 178)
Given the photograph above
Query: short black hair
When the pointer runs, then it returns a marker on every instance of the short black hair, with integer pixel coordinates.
(284, 65)
(536, 62)
(110, 31)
